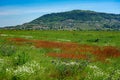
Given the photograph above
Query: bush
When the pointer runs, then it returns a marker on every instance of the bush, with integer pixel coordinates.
(67, 69)
(21, 58)
(7, 50)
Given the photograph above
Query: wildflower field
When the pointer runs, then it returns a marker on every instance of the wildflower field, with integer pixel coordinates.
(59, 55)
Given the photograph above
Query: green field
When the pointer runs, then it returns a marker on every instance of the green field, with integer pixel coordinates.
(22, 60)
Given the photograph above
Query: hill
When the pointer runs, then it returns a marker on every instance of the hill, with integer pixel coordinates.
(73, 20)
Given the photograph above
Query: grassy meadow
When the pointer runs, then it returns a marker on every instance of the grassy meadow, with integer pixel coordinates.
(59, 55)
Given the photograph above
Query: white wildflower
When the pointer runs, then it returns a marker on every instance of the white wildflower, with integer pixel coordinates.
(64, 40)
(97, 72)
(3, 35)
(93, 67)
(23, 69)
(74, 63)
(117, 72)
(116, 76)
(27, 36)
(69, 63)
(26, 69)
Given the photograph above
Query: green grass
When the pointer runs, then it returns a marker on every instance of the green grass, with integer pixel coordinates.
(111, 38)
(25, 62)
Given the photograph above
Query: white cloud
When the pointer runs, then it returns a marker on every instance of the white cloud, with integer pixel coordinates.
(28, 10)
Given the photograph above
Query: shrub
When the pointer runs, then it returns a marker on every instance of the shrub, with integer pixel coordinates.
(21, 58)
(7, 50)
(70, 68)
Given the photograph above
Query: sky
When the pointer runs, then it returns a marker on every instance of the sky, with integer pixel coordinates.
(17, 12)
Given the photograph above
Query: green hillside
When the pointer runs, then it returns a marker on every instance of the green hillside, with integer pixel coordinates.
(74, 20)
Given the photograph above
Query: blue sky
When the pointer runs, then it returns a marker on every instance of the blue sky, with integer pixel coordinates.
(15, 12)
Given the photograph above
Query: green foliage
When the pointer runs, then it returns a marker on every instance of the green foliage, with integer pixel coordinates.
(2, 69)
(21, 58)
(7, 50)
(70, 68)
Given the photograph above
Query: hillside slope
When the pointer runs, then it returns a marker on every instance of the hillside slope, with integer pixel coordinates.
(74, 20)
